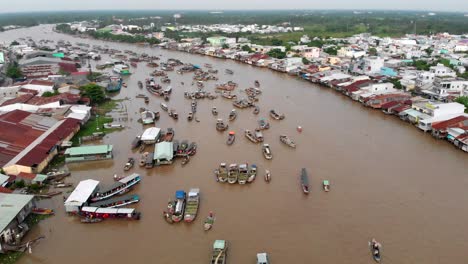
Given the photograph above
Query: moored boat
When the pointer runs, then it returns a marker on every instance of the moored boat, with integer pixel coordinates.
(229, 71)
(222, 172)
(375, 248)
(164, 106)
(326, 185)
(129, 164)
(233, 173)
(267, 151)
(219, 252)
(220, 125)
(250, 136)
(209, 221)
(231, 138)
(42, 211)
(252, 173)
(304, 181)
(286, 140)
(256, 110)
(179, 207)
(276, 115)
(267, 176)
(243, 175)
(193, 202)
(89, 220)
(258, 135)
(232, 115)
(263, 124)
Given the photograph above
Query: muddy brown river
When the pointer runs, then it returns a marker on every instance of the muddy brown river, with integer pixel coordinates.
(388, 180)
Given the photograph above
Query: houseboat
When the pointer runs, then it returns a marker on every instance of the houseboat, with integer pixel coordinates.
(119, 187)
(121, 69)
(109, 213)
(88, 153)
(117, 201)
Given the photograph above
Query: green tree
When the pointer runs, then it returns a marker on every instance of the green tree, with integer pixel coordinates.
(421, 65)
(464, 101)
(372, 51)
(93, 92)
(305, 61)
(225, 46)
(276, 42)
(50, 94)
(277, 53)
(246, 48)
(331, 50)
(13, 71)
(396, 83)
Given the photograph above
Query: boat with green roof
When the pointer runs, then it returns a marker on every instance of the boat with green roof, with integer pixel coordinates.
(219, 252)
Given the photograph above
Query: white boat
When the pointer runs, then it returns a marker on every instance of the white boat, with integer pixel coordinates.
(121, 69)
(267, 152)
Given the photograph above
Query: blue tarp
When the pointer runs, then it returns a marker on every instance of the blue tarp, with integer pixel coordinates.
(180, 194)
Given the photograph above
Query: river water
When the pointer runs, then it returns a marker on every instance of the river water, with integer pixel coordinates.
(388, 180)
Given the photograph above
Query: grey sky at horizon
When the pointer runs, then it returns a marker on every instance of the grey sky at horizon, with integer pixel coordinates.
(61, 5)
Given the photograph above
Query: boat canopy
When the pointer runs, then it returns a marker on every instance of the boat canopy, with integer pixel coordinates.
(130, 178)
(262, 258)
(81, 193)
(99, 210)
(180, 194)
(219, 244)
(326, 182)
(194, 192)
(150, 134)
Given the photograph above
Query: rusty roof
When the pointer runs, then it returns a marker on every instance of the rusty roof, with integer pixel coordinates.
(454, 122)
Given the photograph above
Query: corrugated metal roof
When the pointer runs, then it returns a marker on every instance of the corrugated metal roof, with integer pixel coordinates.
(164, 150)
(10, 206)
(82, 192)
(89, 150)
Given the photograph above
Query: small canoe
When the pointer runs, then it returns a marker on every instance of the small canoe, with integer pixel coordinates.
(88, 220)
(375, 249)
(209, 221)
(231, 138)
(267, 176)
(267, 152)
(43, 211)
(326, 185)
(287, 141)
(304, 181)
(252, 173)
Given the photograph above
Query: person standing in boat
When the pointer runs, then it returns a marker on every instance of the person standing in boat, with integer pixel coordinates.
(376, 246)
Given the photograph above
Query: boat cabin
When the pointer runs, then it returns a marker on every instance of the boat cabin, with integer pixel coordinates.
(262, 258)
(163, 153)
(96, 212)
(117, 188)
(80, 195)
(180, 196)
(118, 201)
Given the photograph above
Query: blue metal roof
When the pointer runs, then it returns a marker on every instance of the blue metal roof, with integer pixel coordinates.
(180, 194)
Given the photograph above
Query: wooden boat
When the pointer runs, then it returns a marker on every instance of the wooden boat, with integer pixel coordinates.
(42, 211)
(191, 149)
(219, 252)
(183, 147)
(142, 148)
(258, 135)
(193, 202)
(233, 173)
(252, 173)
(267, 151)
(228, 71)
(221, 126)
(173, 114)
(222, 173)
(304, 181)
(117, 188)
(136, 142)
(231, 138)
(143, 159)
(243, 175)
(129, 164)
(209, 66)
(190, 116)
(185, 160)
(62, 185)
(170, 211)
(89, 220)
(179, 207)
(326, 185)
(250, 136)
(169, 135)
(276, 116)
(214, 111)
(209, 221)
(263, 124)
(140, 84)
(164, 106)
(175, 146)
(257, 83)
(286, 140)
(194, 106)
(256, 110)
(375, 249)
(232, 115)
(267, 176)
